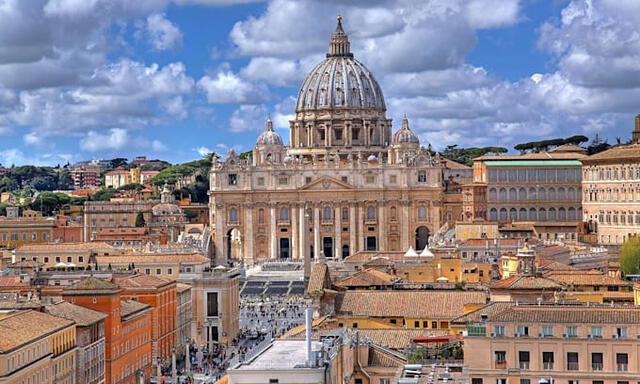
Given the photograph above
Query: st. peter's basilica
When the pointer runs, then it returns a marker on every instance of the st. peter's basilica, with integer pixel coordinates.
(344, 184)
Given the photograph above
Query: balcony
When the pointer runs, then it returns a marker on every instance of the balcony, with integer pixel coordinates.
(572, 366)
(370, 220)
(524, 365)
(501, 364)
(547, 365)
(622, 367)
(326, 221)
(596, 366)
(283, 222)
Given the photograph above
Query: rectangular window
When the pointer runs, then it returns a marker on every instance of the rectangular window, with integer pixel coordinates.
(369, 179)
(523, 359)
(355, 133)
(434, 324)
(147, 271)
(80, 259)
(212, 304)
(344, 179)
(547, 331)
(596, 332)
(476, 380)
(169, 271)
(158, 271)
(416, 324)
(283, 181)
(572, 332)
(385, 381)
(232, 179)
(425, 324)
(622, 362)
(621, 332)
(321, 132)
(498, 330)
(69, 259)
(572, 361)
(525, 381)
(393, 179)
(46, 259)
(274, 381)
(596, 361)
(422, 177)
(260, 181)
(547, 360)
(500, 357)
(338, 134)
(523, 331)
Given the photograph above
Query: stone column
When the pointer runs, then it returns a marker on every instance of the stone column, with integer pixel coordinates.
(272, 232)
(293, 216)
(337, 241)
(219, 241)
(248, 256)
(382, 228)
(304, 245)
(353, 229)
(361, 227)
(316, 232)
(404, 225)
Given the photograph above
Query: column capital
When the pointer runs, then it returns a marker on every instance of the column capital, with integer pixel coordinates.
(249, 205)
(405, 203)
(219, 205)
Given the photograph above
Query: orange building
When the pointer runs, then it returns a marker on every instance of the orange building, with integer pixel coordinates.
(161, 295)
(128, 329)
(66, 231)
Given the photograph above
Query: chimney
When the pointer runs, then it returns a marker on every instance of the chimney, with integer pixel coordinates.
(308, 317)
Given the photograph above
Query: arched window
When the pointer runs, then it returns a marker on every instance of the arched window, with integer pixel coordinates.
(345, 214)
(371, 212)
(571, 193)
(233, 215)
(326, 213)
(422, 212)
(503, 214)
(561, 193)
(513, 214)
(522, 215)
(393, 213)
(533, 214)
(562, 214)
(493, 194)
(284, 214)
(572, 214)
(493, 214)
(522, 194)
(552, 193)
(542, 194)
(532, 194)
(542, 214)
(261, 216)
(513, 195)
(552, 214)
(502, 195)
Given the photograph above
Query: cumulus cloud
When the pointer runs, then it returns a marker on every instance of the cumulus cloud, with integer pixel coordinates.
(163, 34)
(203, 151)
(227, 87)
(115, 139)
(248, 118)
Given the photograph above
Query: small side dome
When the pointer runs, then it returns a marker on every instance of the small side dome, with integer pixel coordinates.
(372, 158)
(269, 136)
(405, 135)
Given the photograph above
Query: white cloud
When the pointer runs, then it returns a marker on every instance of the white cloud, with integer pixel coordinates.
(216, 2)
(32, 138)
(163, 34)
(492, 13)
(116, 139)
(228, 88)
(16, 156)
(203, 151)
(248, 118)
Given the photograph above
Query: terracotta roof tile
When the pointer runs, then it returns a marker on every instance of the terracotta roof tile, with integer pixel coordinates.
(81, 315)
(367, 278)
(92, 284)
(152, 258)
(11, 281)
(319, 278)
(577, 279)
(182, 287)
(23, 327)
(130, 307)
(536, 156)
(616, 153)
(381, 358)
(144, 280)
(408, 304)
(64, 246)
(576, 314)
(525, 282)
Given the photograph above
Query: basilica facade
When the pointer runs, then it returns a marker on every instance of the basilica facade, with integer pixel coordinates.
(345, 183)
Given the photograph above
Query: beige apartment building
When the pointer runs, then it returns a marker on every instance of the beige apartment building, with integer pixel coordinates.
(215, 300)
(345, 183)
(611, 197)
(510, 343)
(36, 347)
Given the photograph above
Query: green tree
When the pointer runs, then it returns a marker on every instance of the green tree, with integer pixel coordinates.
(104, 194)
(630, 256)
(140, 222)
(8, 184)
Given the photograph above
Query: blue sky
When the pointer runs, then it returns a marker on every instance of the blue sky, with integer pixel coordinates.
(173, 79)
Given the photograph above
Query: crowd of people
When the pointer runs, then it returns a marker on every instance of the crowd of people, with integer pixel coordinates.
(270, 316)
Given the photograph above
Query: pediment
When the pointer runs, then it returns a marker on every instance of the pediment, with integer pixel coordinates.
(326, 183)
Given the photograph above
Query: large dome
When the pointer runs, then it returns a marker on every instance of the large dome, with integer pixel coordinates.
(340, 81)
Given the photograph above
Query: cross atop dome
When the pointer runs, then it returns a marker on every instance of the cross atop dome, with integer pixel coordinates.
(339, 45)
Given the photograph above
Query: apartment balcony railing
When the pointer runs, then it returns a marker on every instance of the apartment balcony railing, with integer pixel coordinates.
(596, 366)
(622, 367)
(572, 366)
